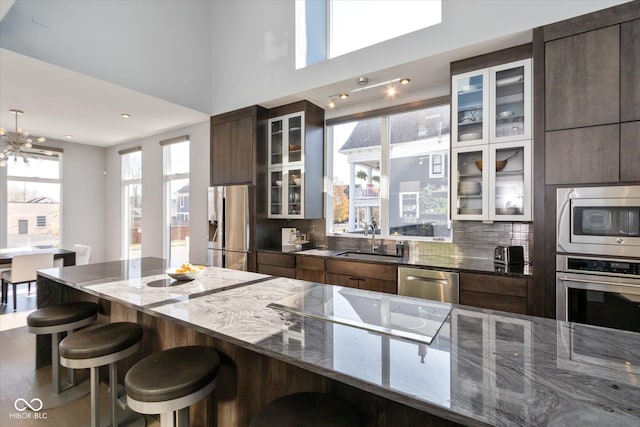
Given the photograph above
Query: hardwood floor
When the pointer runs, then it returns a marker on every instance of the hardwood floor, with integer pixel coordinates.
(19, 380)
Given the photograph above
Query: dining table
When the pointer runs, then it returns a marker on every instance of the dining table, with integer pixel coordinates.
(68, 257)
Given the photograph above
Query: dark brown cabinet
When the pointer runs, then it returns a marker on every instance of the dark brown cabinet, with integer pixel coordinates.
(277, 264)
(494, 292)
(234, 137)
(630, 70)
(310, 268)
(592, 93)
(630, 150)
(362, 275)
(583, 155)
(294, 161)
(582, 79)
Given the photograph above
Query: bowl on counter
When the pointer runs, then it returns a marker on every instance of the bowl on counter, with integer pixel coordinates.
(184, 272)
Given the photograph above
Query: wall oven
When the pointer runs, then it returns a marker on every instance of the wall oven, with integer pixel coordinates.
(599, 220)
(598, 291)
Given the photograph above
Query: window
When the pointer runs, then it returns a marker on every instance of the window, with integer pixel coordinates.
(392, 170)
(348, 25)
(176, 179)
(132, 203)
(33, 197)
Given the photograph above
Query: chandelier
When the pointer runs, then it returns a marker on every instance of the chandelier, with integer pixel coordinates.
(17, 145)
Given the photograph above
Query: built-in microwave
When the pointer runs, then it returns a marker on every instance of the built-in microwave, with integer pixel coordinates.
(599, 220)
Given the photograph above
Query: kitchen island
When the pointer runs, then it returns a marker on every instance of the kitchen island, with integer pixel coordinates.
(482, 367)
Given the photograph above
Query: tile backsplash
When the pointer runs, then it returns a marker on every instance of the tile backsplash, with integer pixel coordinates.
(469, 237)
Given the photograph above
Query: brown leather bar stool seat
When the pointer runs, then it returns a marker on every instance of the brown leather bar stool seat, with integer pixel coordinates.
(168, 382)
(308, 409)
(56, 320)
(97, 346)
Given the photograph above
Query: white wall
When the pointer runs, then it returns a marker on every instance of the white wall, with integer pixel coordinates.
(216, 56)
(258, 47)
(152, 194)
(160, 48)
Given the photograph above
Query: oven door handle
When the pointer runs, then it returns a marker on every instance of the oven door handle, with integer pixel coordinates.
(572, 279)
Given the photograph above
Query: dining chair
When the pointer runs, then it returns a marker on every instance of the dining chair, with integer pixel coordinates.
(24, 270)
(83, 254)
(5, 267)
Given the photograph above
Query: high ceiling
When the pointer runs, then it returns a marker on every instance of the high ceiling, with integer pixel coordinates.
(58, 102)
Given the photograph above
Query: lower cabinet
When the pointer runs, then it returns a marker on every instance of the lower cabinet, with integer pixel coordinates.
(310, 268)
(494, 292)
(277, 264)
(362, 275)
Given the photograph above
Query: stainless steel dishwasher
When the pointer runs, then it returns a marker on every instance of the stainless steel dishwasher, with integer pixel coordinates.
(429, 284)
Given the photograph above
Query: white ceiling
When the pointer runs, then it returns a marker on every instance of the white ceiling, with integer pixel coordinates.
(57, 102)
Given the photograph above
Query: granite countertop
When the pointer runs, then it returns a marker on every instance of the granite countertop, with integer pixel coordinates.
(483, 367)
(448, 257)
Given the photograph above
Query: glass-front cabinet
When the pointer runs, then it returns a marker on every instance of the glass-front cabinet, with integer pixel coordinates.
(286, 195)
(286, 166)
(492, 111)
(492, 104)
(471, 193)
(498, 193)
(510, 101)
(286, 141)
(510, 180)
(470, 106)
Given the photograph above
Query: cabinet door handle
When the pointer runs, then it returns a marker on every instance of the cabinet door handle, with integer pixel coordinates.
(355, 278)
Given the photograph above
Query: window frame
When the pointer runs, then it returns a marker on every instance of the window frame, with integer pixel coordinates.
(37, 151)
(385, 147)
(168, 178)
(127, 183)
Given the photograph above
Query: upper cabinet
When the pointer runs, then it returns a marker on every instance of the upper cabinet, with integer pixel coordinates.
(492, 104)
(234, 138)
(295, 153)
(493, 182)
(582, 80)
(591, 99)
(286, 140)
(491, 143)
(630, 70)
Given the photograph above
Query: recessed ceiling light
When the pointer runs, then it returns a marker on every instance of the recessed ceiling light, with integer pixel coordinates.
(344, 95)
(125, 115)
(391, 90)
(68, 136)
(332, 104)
(404, 81)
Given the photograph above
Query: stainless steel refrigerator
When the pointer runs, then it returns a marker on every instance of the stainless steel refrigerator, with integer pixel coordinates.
(229, 226)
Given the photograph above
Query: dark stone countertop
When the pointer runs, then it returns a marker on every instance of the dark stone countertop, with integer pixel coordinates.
(445, 257)
(482, 368)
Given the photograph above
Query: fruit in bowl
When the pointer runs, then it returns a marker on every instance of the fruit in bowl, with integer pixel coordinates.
(185, 272)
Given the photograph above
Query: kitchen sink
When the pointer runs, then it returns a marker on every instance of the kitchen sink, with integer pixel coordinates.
(369, 256)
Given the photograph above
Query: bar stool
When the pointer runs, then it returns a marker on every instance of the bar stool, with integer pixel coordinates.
(308, 409)
(98, 346)
(56, 320)
(168, 382)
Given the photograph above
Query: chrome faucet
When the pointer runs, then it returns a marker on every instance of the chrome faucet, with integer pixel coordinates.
(373, 227)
